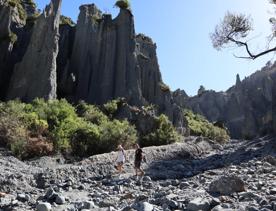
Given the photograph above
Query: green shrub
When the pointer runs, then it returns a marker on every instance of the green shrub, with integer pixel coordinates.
(111, 107)
(123, 4)
(199, 126)
(61, 118)
(163, 134)
(18, 4)
(11, 126)
(164, 87)
(18, 148)
(92, 139)
(113, 133)
(91, 113)
(85, 141)
(66, 21)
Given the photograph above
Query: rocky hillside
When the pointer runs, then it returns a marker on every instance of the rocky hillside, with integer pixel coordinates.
(194, 175)
(98, 59)
(247, 108)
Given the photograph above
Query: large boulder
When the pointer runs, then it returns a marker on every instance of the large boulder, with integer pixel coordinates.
(227, 185)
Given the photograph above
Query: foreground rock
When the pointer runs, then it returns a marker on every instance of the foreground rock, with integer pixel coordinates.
(227, 185)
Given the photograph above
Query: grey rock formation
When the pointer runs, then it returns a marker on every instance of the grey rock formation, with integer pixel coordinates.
(108, 61)
(103, 59)
(5, 45)
(154, 90)
(35, 76)
(247, 108)
(65, 81)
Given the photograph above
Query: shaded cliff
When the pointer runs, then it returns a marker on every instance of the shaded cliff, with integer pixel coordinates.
(248, 108)
(35, 76)
(6, 45)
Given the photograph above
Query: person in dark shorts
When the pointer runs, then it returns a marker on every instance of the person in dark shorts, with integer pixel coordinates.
(138, 160)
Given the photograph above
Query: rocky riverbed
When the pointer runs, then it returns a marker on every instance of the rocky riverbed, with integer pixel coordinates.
(194, 175)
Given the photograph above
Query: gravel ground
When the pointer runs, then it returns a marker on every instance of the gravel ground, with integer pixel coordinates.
(194, 175)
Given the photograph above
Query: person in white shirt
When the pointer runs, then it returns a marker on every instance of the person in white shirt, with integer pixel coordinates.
(121, 159)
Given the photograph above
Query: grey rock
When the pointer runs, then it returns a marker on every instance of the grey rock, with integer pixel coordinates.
(220, 208)
(23, 197)
(273, 191)
(88, 205)
(144, 206)
(227, 185)
(199, 204)
(60, 199)
(147, 179)
(44, 207)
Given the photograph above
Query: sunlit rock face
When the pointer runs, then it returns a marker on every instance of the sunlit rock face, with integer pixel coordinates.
(248, 108)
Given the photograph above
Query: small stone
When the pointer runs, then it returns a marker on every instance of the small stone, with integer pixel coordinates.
(184, 185)
(145, 206)
(172, 204)
(81, 187)
(44, 207)
(23, 197)
(147, 179)
(175, 182)
(88, 205)
(272, 191)
(50, 194)
(60, 200)
(199, 204)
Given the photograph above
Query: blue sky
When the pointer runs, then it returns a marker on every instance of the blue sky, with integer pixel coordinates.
(181, 29)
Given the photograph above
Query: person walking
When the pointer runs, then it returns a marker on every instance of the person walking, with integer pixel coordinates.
(138, 160)
(120, 160)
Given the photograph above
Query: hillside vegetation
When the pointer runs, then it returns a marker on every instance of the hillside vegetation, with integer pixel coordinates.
(46, 127)
(200, 126)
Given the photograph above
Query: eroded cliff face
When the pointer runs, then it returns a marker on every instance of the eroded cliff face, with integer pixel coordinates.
(97, 60)
(103, 58)
(35, 76)
(248, 108)
(108, 60)
(154, 90)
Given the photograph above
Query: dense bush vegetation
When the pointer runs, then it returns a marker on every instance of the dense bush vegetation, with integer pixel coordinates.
(163, 134)
(18, 4)
(43, 127)
(199, 126)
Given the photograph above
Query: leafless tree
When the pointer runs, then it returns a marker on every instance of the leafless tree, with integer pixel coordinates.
(234, 28)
